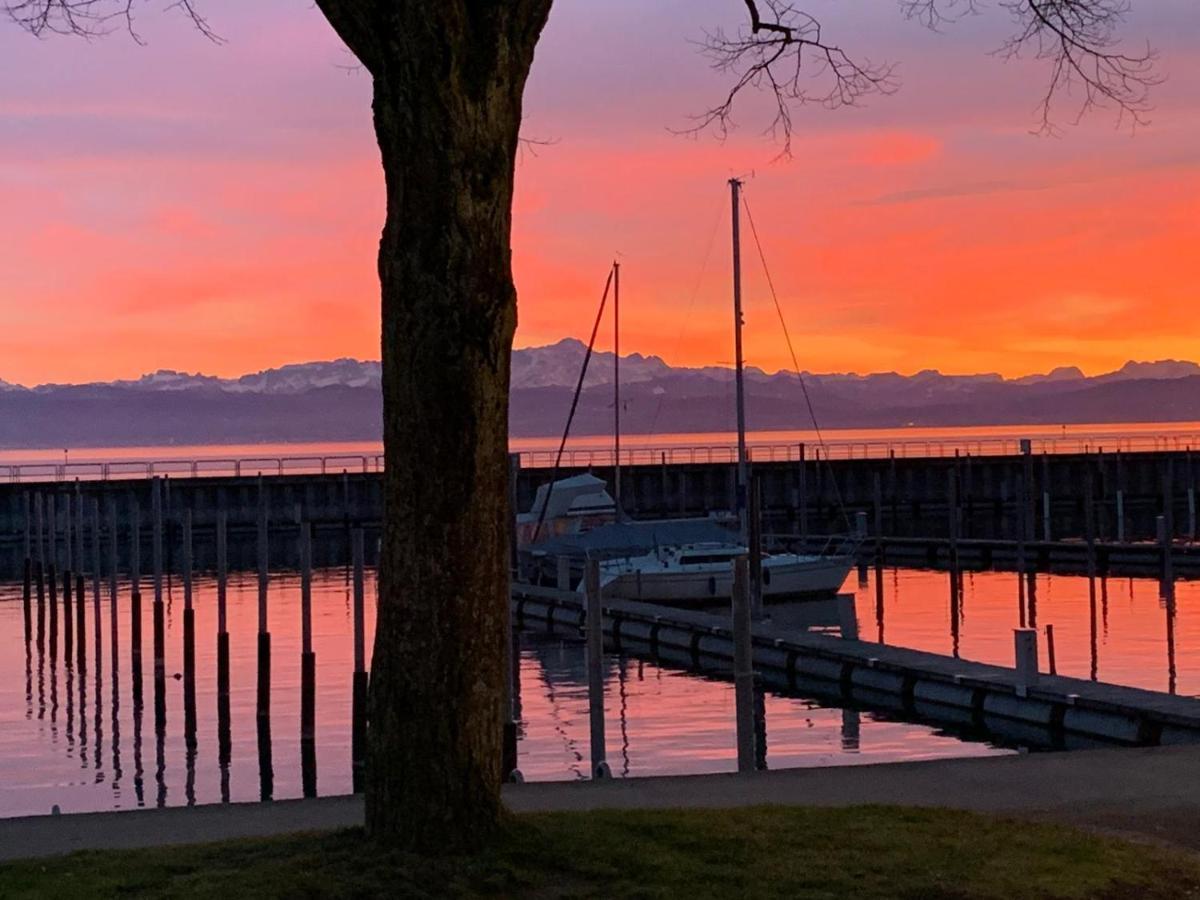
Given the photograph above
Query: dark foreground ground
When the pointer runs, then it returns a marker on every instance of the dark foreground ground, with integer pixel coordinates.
(860, 852)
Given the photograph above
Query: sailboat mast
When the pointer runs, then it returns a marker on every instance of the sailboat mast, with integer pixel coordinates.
(617, 387)
(735, 188)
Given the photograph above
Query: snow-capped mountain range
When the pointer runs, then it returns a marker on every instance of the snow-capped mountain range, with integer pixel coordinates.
(558, 365)
(341, 400)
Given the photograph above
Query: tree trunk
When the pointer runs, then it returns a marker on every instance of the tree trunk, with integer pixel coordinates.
(448, 81)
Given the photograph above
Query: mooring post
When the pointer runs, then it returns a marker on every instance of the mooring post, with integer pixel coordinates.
(1025, 640)
(1053, 666)
(358, 733)
(756, 551)
(135, 595)
(877, 499)
(96, 576)
(52, 571)
(27, 572)
(308, 669)
(40, 570)
(847, 616)
(264, 635)
(1164, 543)
(1120, 516)
(224, 741)
(159, 617)
(743, 666)
(802, 490)
(595, 668)
(67, 581)
(189, 635)
(1191, 502)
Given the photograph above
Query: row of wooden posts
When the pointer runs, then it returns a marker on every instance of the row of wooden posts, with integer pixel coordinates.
(43, 576)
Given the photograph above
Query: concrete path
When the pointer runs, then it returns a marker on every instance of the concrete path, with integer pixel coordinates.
(1150, 793)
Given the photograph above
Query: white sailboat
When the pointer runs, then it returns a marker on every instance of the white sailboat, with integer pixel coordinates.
(702, 573)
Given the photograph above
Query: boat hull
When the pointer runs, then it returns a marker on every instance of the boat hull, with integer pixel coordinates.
(811, 578)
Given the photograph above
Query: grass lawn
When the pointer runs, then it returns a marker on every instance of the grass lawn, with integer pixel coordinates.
(868, 852)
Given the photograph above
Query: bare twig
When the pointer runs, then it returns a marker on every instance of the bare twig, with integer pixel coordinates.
(91, 18)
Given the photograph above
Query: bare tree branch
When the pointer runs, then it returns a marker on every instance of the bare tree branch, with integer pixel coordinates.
(784, 53)
(91, 18)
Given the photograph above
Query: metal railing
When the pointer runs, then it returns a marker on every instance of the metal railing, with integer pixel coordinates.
(870, 449)
(760, 451)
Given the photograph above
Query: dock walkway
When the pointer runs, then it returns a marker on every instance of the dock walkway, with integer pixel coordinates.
(930, 686)
(1147, 793)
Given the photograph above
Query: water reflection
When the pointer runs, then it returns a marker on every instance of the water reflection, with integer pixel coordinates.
(211, 744)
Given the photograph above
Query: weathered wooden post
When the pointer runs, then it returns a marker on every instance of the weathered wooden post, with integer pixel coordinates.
(877, 499)
(756, 551)
(52, 573)
(189, 636)
(1046, 523)
(743, 666)
(224, 742)
(308, 669)
(95, 517)
(67, 582)
(27, 574)
(802, 490)
(159, 613)
(595, 668)
(1120, 516)
(1053, 666)
(135, 595)
(1164, 543)
(266, 769)
(40, 571)
(847, 617)
(358, 721)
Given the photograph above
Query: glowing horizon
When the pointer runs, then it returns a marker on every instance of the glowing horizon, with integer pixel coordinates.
(216, 208)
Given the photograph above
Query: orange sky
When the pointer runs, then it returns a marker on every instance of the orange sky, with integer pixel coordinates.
(211, 208)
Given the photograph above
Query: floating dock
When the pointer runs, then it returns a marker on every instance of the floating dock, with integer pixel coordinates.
(1042, 711)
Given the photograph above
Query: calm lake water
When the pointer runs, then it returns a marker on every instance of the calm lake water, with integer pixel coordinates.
(73, 736)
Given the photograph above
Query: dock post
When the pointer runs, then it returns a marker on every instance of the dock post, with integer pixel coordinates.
(802, 490)
(595, 669)
(358, 726)
(1025, 640)
(1046, 531)
(847, 616)
(756, 554)
(1164, 543)
(266, 770)
(224, 740)
(159, 614)
(97, 578)
(562, 579)
(1191, 501)
(40, 570)
(743, 666)
(1120, 516)
(67, 582)
(135, 598)
(27, 572)
(1053, 667)
(189, 637)
(308, 669)
(877, 500)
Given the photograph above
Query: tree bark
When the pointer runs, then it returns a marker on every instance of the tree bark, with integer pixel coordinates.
(448, 79)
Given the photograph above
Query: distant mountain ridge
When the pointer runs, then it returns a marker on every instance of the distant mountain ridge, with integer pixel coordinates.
(340, 400)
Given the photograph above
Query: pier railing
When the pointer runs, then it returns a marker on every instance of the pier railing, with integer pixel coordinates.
(583, 457)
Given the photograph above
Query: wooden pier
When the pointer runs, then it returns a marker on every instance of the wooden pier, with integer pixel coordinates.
(1026, 707)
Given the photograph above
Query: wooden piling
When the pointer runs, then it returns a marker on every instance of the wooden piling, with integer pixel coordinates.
(743, 666)
(308, 669)
(802, 490)
(1052, 664)
(135, 595)
(189, 635)
(40, 570)
(358, 734)
(266, 770)
(877, 501)
(67, 583)
(595, 667)
(224, 741)
(1120, 516)
(756, 552)
(80, 611)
